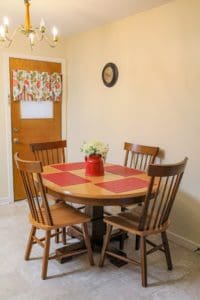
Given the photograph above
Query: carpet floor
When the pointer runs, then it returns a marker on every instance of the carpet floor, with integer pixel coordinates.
(77, 280)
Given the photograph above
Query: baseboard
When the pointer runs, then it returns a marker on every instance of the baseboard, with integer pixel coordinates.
(181, 241)
(4, 200)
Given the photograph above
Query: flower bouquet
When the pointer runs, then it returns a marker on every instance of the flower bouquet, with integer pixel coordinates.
(94, 152)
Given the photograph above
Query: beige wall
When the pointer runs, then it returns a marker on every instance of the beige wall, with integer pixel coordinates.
(18, 48)
(156, 100)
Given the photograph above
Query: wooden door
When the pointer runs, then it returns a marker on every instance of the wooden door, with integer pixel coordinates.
(26, 131)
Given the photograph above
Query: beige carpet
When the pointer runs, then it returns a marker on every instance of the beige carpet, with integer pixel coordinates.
(76, 280)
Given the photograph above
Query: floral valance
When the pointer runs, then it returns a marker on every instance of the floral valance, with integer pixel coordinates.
(36, 86)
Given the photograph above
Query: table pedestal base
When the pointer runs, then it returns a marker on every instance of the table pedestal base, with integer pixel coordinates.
(115, 261)
(97, 229)
(63, 253)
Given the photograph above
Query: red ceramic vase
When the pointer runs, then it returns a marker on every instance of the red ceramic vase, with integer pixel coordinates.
(94, 165)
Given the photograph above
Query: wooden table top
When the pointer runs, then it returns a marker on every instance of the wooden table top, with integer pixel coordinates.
(119, 185)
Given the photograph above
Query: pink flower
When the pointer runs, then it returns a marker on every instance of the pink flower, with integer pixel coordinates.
(38, 84)
(26, 82)
(15, 82)
(47, 85)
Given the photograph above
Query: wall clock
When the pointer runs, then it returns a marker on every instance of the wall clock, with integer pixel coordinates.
(110, 74)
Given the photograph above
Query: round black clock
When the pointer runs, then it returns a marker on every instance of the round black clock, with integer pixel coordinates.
(110, 74)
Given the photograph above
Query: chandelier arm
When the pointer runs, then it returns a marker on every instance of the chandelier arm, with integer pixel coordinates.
(9, 39)
(39, 35)
(52, 44)
(43, 37)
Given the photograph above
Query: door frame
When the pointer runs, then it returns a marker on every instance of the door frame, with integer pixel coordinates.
(7, 99)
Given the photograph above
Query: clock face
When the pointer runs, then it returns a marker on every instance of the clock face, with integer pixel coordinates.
(110, 74)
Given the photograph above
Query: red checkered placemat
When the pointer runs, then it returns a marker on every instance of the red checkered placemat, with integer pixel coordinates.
(124, 185)
(64, 178)
(69, 166)
(123, 171)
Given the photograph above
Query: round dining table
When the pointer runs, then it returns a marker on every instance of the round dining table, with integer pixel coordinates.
(120, 186)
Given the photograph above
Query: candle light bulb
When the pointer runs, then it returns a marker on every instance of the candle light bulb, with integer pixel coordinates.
(32, 38)
(55, 34)
(6, 24)
(6, 21)
(2, 32)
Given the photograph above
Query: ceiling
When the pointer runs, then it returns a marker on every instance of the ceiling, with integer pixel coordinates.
(74, 16)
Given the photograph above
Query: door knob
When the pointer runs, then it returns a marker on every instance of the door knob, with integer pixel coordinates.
(16, 141)
(15, 129)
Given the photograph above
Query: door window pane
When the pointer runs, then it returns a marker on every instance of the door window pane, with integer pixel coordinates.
(36, 109)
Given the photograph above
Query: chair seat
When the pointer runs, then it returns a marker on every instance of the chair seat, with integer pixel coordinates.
(129, 221)
(62, 215)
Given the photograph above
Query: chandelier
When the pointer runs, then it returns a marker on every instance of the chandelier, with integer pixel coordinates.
(34, 34)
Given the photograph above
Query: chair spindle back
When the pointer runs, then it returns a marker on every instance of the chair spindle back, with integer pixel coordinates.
(49, 152)
(139, 156)
(167, 179)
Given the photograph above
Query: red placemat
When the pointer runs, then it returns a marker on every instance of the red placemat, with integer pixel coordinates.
(70, 166)
(64, 178)
(124, 185)
(123, 171)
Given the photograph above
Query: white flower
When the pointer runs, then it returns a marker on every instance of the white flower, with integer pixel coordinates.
(94, 147)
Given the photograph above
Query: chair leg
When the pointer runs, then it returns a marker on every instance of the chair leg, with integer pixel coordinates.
(137, 242)
(121, 242)
(167, 250)
(57, 236)
(105, 245)
(123, 237)
(143, 262)
(123, 208)
(137, 238)
(88, 243)
(46, 254)
(30, 243)
(64, 236)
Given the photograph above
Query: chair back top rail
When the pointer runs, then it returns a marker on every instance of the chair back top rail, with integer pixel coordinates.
(156, 210)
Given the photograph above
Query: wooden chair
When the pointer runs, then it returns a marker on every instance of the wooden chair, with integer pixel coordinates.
(52, 153)
(151, 218)
(45, 217)
(138, 157)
